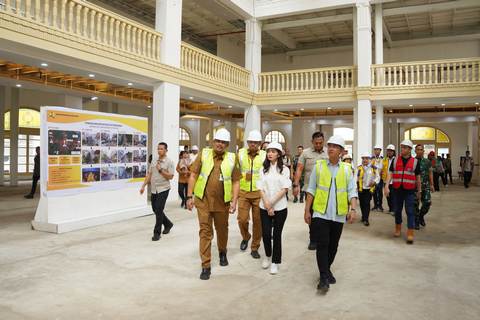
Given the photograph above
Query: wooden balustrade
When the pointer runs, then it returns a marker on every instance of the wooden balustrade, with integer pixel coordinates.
(202, 63)
(90, 22)
(426, 73)
(308, 80)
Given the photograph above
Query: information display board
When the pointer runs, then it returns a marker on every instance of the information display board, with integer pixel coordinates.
(91, 151)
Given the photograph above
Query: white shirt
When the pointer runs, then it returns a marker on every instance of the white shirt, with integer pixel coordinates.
(271, 183)
(193, 157)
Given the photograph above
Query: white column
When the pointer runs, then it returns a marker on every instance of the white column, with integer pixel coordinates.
(379, 60)
(253, 63)
(363, 115)
(252, 121)
(354, 26)
(166, 96)
(297, 134)
(3, 93)
(14, 105)
(168, 21)
(470, 137)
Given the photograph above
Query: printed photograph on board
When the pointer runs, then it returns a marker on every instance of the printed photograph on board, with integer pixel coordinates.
(64, 143)
(90, 156)
(124, 172)
(90, 174)
(139, 171)
(109, 155)
(125, 156)
(124, 140)
(91, 139)
(139, 140)
(108, 173)
(140, 155)
(109, 139)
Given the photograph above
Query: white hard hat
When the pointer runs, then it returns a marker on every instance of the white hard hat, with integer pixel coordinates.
(339, 141)
(254, 135)
(391, 147)
(195, 148)
(347, 156)
(378, 147)
(275, 145)
(222, 135)
(365, 155)
(407, 143)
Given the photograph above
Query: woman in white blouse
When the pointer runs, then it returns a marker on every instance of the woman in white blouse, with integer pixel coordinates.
(273, 184)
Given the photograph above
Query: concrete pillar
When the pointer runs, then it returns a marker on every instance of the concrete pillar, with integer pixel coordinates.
(379, 60)
(363, 116)
(298, 136)
(14, 106)
(252, 121)
(470, 138)
(253, 51)
(3, 107)
(166, 96)
(354, 26)
(73, 102)
(231, 126)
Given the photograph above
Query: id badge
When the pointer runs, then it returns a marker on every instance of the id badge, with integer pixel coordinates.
(248, 176)
(221, 178)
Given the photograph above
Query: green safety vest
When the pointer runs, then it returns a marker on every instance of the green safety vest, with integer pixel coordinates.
(227, 166)
(324, 182)
(254, 168)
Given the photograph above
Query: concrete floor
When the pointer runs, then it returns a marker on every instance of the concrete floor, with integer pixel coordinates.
(115, 272)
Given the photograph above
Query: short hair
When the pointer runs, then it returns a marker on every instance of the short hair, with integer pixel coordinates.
(163, 144)
(300, 147)
(419, 145)
(317, 135)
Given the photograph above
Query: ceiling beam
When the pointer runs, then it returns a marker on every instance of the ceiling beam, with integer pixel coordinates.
(443, 6)
(274, 9)
(245, 8)
(307, 22)
(386, 13)
(386, 34)
(283, 37)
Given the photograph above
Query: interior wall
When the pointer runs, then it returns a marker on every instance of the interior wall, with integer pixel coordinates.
(344, 56)
(231, 49)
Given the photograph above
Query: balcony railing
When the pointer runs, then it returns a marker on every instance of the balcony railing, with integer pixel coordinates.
(308, 80)
(207, 65)
(89, 22)
(426, 73)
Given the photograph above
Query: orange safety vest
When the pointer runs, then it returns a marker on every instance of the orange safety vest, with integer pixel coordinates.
(405, 176)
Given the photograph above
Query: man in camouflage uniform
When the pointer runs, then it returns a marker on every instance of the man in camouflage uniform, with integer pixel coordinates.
(426, 176)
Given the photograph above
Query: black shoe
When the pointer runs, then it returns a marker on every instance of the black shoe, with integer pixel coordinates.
(331, 278)
(205, 275)
(167, 230)
(28, 196)
(380, 209)
(374, 209)
(312, 245)
(366, 223)
(223, 259)
(255, 254)
(156, 237)
(244, 245)
(422, 222)
(323, 284)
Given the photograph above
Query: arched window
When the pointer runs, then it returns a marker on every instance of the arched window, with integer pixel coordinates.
(28, 140)
(275, 136)
(183, 135)
(348, 135)
(432, 138)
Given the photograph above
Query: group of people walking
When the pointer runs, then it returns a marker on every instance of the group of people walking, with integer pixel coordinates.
(257, 179)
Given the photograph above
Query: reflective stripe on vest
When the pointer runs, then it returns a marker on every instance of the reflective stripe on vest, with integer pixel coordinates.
(361, 173)
(247, 166)
(324, 183)
(405, 176)
(227, 167)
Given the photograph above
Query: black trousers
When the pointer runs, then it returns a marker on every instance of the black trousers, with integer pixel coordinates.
(34, 184)
(390, 200)
(448, 173)
(182, 192)
(365, 196)
(158, 206)
(277, 222)
(310, 228)
(444, 178)
(467, 177)
(328, 235)
(436, 184)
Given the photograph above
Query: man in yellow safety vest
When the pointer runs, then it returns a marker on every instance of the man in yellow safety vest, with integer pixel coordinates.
(250, 162)
(214, 181)
(333, 193)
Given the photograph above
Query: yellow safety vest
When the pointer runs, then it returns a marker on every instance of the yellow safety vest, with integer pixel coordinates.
(361, 172)
(385, 169)
(227, 166)
(249, 166)
(324, 182)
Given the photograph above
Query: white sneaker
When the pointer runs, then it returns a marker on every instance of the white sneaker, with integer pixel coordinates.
(266, 263)
(274, 268)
